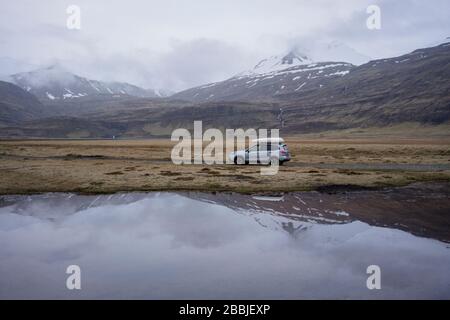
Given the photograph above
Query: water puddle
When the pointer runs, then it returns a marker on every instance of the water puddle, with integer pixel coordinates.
(228, 246)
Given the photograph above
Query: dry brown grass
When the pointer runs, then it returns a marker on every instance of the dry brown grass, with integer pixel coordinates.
(104, 166)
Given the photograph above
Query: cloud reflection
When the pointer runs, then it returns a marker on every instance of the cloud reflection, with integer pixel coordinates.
(169, 246)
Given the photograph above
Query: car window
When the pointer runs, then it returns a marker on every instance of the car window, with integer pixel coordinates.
(264, 147)
(254, 148)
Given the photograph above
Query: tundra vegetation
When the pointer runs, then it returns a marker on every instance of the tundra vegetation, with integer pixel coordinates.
(106, 166)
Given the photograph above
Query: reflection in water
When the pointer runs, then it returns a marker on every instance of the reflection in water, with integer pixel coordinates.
(421, 209)
(166, 245)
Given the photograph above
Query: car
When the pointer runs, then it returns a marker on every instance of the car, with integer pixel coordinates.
(262, 151)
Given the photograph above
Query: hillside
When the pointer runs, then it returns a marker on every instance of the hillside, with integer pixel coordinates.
(17, 105)
(410, 88)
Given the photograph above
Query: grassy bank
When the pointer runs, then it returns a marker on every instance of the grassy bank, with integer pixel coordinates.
(107, 166)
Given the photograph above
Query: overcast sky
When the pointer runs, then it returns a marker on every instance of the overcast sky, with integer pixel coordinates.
(176, 44)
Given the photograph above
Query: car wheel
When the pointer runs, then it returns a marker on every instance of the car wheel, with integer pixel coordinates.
(239, 160)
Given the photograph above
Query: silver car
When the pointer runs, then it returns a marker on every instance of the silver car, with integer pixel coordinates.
(264, 151)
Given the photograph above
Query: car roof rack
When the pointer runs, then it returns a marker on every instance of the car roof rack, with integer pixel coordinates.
(279, 140)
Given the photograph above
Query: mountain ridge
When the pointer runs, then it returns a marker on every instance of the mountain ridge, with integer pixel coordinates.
(56, 83)
(409, 89)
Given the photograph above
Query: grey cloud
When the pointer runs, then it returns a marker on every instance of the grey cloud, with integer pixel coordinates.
(179, 44)
(202, 61)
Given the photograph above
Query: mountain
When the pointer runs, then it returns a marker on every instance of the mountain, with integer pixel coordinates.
(277, 63)
(270, 78)
(411, 88)
(407, 92)
(308, 54)
(309, 66)
(336, 95)
(17, 105)
(54, 83)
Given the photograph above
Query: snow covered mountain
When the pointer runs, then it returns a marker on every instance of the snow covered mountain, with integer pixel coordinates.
(411, 90)
(56, 83)
(278, 63)
(277, 75)
(312, 53)
(306, 67)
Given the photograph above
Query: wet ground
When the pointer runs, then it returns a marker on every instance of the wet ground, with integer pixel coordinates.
(224, 245)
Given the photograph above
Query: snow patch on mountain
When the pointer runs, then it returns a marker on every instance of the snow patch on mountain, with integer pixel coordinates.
(55, 82)
(310, 55)
(277, 63)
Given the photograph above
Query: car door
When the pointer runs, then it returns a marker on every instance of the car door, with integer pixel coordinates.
(264, 152)
(253, 154)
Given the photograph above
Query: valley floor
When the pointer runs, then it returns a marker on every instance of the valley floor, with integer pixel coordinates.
(108, 166)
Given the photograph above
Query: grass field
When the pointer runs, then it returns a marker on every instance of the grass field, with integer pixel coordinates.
(106, 166)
